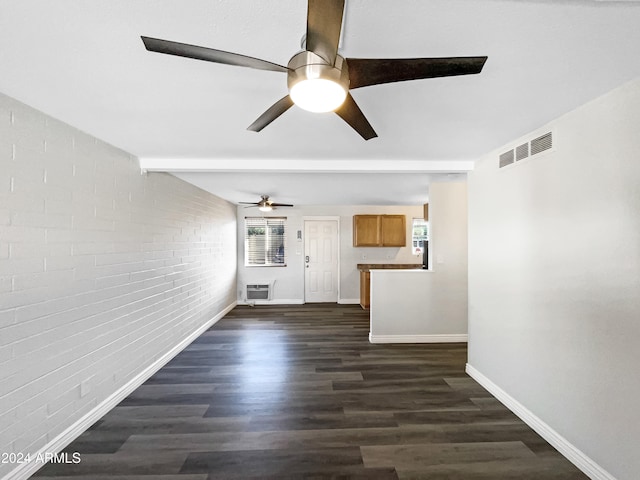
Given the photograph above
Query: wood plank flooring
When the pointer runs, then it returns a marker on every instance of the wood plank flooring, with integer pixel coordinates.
(298, 392)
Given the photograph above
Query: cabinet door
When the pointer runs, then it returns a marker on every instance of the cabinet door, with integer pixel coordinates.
(365, 286)
(366, 230)
(394, 231)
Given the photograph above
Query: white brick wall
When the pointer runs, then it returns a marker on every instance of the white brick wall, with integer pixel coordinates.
(102, 271)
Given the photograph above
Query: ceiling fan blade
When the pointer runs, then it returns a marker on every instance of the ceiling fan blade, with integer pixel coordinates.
(351, 113)
(271, 114)
(374, 71)
(281, 205)
(249, 203)
(208, 54)
(324, 22)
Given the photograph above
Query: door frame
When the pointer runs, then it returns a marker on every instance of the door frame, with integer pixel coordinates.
(320, 218)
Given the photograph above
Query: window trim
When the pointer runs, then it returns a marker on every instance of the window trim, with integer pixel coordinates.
(266, 225)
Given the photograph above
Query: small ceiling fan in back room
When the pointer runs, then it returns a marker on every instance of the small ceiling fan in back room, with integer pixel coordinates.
(265, 204)
(318, 78)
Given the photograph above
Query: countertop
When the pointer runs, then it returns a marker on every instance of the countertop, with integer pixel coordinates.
(365, 267)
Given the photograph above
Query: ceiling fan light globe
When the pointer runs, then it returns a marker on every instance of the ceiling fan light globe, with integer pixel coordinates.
(265, 208)
(318, 95)
(316, 86)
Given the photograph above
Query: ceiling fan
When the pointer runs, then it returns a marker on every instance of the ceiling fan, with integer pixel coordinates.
(318, 78)
(265, 205)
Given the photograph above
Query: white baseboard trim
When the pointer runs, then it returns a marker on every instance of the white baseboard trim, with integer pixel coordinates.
(349, 301)
(25, 470)
(566, 448)
(450, 338)
(295, 301)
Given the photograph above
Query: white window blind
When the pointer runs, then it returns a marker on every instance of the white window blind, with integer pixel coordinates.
(265, 241)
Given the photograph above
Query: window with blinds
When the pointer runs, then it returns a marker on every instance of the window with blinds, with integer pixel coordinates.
(265, 241)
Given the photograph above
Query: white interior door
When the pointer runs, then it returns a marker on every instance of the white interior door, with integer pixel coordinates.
(321, 261)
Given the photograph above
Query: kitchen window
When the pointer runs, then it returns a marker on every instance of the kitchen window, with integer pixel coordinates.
(419, 236)
(265, 241)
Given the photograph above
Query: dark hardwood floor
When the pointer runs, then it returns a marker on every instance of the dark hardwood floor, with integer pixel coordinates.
(298, 392)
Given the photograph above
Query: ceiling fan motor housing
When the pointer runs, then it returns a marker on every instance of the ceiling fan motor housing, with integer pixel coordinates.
(307, 65)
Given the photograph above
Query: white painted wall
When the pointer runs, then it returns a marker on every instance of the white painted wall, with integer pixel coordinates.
(414, 306)
(428, 306)
(289, 280)
(554, 281)
(102, 272)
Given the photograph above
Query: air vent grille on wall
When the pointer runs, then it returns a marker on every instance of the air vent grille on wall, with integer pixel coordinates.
(506, 158)
(522, 152)
(258, 292)
(542, 143)
(537, 145)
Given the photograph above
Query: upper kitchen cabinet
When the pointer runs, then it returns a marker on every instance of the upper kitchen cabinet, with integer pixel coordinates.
(379, 231)
(366, 231)
(393, 230)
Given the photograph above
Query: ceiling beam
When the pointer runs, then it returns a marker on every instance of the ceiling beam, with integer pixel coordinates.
(304, 166)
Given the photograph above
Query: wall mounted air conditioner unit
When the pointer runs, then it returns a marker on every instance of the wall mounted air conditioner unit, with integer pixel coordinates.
(259, 292)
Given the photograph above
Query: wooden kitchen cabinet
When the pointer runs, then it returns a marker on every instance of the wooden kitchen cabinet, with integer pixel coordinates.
(365, 289)
(366, 231)
(393, 230)
(379, 231)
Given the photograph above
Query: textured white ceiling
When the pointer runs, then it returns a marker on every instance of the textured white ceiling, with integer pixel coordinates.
(84, 63)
